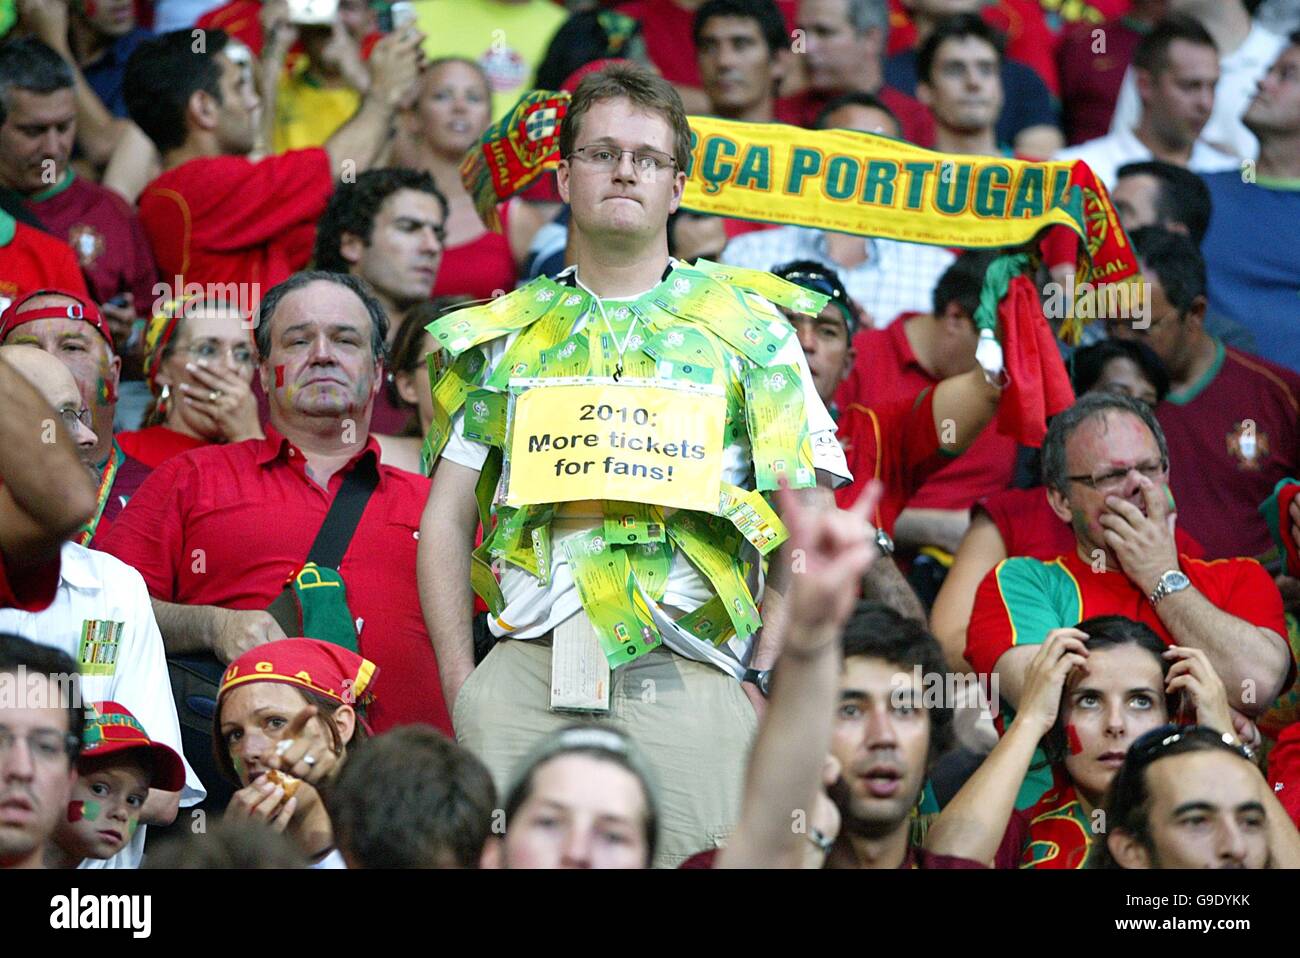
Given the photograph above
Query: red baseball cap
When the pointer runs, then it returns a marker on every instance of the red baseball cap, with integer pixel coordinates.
(80, 309)
(111, 729)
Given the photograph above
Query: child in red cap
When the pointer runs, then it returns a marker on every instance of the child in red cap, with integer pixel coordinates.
(118, 765)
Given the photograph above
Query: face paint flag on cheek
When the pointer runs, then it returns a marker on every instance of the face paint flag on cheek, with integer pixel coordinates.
(279, 377)
(1072, 737)
(78, 810)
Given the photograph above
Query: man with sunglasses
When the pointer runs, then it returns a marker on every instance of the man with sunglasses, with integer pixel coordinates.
(1191, 798)
(1235, 415)
(1106, 469)
(41, 724)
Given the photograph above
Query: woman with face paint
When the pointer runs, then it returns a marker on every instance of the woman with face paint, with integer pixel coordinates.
(286, 713)
(117, 766)
(1089, 693)
(199, 363)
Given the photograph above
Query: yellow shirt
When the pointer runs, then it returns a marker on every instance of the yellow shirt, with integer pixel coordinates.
(507, 39)
(307, 114)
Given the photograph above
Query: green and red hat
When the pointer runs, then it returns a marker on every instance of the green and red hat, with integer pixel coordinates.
(111, 729)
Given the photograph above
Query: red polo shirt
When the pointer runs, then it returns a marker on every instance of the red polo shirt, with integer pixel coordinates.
(887, 371)
(227, 525)
(225, 219)
(104, 232)
(1232, 437)
(895, 443)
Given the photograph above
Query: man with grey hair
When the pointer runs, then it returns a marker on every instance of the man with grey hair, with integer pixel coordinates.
(1106, 469)
(220, 532)
(844, 50)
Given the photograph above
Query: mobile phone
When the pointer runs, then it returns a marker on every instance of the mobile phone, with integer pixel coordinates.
(313, 12)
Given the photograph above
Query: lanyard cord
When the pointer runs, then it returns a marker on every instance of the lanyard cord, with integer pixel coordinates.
(618, 372)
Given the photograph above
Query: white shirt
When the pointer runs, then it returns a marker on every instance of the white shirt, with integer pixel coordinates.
(895, 277)
(1106, 154)
(96, 586)
(533, 609)
(1239, 74)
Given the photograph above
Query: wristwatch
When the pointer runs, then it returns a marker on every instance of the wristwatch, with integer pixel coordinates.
(1169, 583)
(760, 677)
(885, 542)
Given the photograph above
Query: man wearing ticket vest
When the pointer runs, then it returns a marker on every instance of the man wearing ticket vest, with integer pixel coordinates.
(614, 430)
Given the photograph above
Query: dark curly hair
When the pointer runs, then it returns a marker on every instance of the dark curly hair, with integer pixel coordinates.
(354, 206)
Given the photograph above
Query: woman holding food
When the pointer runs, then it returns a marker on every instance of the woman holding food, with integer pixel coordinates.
(286, 713)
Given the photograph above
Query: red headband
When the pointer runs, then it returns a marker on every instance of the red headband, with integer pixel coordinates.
(79, 309)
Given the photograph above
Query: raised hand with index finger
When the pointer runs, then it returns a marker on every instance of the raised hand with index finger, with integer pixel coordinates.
(302, 755)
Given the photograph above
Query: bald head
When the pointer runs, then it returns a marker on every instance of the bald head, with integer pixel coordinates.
(56, 384)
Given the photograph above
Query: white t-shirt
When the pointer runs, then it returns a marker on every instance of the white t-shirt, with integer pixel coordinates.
(96, 586)
(1106, 154)
(1239, 74)
(533, 609)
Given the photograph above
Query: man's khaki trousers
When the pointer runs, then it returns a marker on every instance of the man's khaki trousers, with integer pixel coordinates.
(692, 722)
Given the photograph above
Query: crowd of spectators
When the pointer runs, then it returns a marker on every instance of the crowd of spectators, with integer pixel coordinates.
(224, 231)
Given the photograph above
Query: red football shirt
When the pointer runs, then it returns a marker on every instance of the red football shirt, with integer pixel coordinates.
(895, 443)
(225, 219)
(33, 260)
(916, 122)
(887, 371)
(1022, 599)
(106, 235)
(130, 477)
(1232, 437)
(1090, 81)
(1029, 527)
(228, 525)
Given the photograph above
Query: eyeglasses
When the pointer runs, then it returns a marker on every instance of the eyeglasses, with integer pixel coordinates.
(1158, 741)
(43, 745)
(646, 162)
(71, 417)
(1113, 481)
(209, 351)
